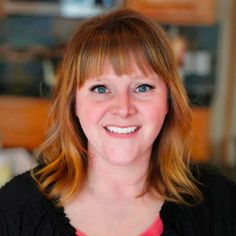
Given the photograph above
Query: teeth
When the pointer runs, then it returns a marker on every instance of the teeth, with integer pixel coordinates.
(119, 130)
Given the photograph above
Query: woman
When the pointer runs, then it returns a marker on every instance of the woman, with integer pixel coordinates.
(116, 158)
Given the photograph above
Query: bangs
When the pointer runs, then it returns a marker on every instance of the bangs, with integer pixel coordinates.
(121, 46)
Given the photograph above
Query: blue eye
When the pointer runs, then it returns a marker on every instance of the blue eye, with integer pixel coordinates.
(143, 88)
(99, 89)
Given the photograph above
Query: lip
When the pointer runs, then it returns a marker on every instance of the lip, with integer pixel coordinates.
(122, 126)
(117, 135)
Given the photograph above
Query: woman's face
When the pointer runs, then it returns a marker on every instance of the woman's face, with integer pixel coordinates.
(121, 116)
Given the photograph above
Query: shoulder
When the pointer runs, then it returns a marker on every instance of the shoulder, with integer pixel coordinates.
(218, 209)
(213, 183)
(21, 190)
(23, 208)
(215, 215)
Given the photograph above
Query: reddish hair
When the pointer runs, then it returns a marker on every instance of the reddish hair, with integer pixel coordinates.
(118, 37)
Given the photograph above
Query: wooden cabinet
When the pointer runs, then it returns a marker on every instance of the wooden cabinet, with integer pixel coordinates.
(201, 150)
(185, 12)
(23, 121)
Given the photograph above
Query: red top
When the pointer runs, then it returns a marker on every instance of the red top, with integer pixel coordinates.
(155, 229)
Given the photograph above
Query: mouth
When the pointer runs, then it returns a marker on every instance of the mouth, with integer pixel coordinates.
(122, 130)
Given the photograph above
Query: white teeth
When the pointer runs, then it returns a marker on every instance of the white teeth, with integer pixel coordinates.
(119, 130)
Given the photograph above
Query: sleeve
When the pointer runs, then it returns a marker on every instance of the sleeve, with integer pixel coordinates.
(3, 225)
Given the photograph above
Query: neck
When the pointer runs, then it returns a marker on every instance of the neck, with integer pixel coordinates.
(113, 181)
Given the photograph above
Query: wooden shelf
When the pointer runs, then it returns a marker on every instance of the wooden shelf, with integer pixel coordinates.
(181, 12)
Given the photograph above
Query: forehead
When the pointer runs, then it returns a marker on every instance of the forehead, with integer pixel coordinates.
(132, 71)
(109, 75)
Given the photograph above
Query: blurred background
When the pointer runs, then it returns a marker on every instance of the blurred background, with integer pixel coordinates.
(33, 34)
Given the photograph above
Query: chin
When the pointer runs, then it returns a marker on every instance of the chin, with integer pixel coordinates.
(121, 159)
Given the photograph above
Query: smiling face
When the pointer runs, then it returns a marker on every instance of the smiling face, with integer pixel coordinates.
(121, 116)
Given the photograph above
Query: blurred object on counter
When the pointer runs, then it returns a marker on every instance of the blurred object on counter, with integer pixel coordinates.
(179, 48)
(59, 8)
(24, 70)
(14, 161)
(5, 170)
(49, 79)
(198, 63)
(195, 49)
(25, 42)
(78, 8)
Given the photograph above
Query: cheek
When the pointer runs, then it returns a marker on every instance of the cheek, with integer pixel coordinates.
(82, 112)
(83, 106)
(89, 113)
(156, 118)
(156, 111)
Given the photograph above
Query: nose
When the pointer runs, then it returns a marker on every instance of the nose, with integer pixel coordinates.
(124, 105)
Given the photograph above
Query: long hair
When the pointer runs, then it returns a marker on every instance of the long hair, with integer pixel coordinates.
(117, 37)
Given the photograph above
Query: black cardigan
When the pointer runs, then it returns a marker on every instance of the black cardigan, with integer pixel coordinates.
(24, 211)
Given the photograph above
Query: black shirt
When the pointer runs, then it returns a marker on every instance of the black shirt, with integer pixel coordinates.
(25, 211)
